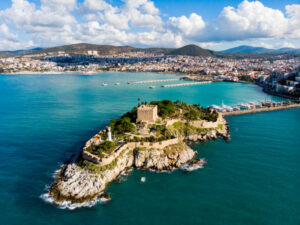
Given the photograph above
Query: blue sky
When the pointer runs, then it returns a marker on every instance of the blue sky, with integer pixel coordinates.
(211, 24)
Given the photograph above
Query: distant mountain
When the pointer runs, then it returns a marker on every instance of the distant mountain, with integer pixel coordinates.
(260, 50)
(287, 50)
(83, 48)
(6, 54)
(194, 50)
(247, 49)
(19, 52)
(78, 49)
(188, 50)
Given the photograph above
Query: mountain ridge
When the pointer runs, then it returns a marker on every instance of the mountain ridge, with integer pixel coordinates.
(188, 50)
(260, 50)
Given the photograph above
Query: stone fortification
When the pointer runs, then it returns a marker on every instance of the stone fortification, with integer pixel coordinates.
(131, 145)
(147, 113)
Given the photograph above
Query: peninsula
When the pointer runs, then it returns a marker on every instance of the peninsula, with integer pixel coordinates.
(151, 136)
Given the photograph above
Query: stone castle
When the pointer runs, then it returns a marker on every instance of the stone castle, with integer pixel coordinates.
(147, 113)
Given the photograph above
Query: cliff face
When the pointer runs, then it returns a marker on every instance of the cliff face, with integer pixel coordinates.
(171, 157)
(85, 178)
(77, 185)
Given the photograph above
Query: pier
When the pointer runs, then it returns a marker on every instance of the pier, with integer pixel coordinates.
(186, 84)
(261, 110)
(151, 81)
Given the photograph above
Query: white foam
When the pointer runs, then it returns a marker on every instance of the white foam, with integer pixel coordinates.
(69, 205)
(191, 167)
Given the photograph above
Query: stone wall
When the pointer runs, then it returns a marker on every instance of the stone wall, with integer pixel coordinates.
(199, 123)
(131, 145)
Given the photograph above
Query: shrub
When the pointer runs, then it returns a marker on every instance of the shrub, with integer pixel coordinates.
(122, 125)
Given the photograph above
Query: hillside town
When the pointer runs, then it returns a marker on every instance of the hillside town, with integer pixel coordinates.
(276, 73)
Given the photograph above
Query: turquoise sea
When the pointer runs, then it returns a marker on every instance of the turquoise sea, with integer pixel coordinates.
(251, 180)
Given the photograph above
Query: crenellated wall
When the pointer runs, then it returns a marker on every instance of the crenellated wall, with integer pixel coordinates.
(130, 146)
(199, 123)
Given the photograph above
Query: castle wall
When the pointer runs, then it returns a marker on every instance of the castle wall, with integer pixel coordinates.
(131, 145)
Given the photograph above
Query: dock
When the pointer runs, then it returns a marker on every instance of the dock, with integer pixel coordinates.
(186, 84)
(261, 110)
(151, 81)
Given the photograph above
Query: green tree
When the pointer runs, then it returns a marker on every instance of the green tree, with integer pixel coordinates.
(122, 125)
(192, 115)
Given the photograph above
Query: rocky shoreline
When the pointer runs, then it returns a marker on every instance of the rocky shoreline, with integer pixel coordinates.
(80, 181)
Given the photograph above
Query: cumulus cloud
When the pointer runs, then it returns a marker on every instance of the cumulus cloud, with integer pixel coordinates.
(248, 21)
(4, 31)
(293, 12)
(188, 26)
(140, 23)
(51, 23)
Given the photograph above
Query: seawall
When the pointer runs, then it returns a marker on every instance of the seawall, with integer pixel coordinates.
(269, 109)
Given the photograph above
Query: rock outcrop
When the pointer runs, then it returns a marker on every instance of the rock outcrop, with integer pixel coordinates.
(158, 147)
(77, 184)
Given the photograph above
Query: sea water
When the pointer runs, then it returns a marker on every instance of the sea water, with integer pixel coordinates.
(44, 119)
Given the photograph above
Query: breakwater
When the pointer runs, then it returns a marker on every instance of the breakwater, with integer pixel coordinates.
(186, 84)
(268, 109)
(151, 81)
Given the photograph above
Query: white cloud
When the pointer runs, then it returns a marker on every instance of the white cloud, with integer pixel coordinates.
(285, 45)
(6, 44)
(7, 34)
(64, 4)
(149, 8)
(95, 5)
(293, 12)
(249, 20)
(140, 23)
(188, 26)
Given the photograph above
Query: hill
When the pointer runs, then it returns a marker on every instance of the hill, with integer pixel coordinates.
(193, 50)
(260, 50)
(188, 50)
(247, 49)
(6, 54)
(83, 48)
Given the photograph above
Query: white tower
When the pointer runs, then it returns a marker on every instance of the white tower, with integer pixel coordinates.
(109, 134)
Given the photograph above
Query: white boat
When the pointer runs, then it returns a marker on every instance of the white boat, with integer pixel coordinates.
(143, 179)
(117, 84)
(104, 84)
(152, 87)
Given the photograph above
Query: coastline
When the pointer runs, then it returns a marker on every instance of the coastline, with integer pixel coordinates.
(82, 182)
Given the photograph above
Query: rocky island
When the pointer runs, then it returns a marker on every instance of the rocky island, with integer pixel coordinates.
(151, 136)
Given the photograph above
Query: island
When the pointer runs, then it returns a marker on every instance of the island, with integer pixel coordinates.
(151, 136)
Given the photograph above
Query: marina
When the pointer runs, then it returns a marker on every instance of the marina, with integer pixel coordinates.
(252, 107)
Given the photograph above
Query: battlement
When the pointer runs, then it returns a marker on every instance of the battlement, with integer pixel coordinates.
(147, 113)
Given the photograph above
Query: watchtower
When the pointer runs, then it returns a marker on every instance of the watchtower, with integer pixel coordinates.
(147, 113)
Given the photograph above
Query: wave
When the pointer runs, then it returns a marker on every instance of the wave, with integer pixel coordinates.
(69, 205)
(195, 165)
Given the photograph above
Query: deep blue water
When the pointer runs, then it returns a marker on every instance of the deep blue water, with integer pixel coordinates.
(252, 179)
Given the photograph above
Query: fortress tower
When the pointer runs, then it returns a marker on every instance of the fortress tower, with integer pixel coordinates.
(147, 113)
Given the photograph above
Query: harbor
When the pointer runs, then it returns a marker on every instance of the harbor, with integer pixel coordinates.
(251, 108)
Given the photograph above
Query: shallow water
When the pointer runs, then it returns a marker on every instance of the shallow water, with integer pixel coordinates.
(252, 179)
